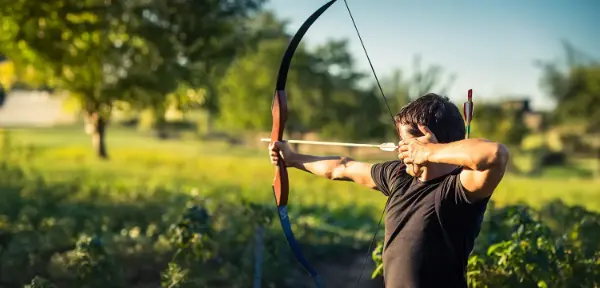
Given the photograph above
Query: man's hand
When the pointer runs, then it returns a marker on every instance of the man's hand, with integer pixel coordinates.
(281, 150)
(414, 151)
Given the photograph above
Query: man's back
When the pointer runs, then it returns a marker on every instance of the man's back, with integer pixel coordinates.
(416, 253)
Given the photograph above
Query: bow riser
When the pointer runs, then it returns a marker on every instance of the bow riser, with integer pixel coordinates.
(281, 182)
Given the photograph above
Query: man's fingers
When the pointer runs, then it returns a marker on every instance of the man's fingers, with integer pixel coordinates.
(277, 146)
(274, 149)
(405, 156)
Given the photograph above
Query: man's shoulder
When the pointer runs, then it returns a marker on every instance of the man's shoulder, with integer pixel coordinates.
(390, 176)
(391, 170)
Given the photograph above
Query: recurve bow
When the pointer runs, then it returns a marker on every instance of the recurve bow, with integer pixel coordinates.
(279, 111)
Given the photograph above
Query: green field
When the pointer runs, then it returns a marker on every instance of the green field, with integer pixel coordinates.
(60, 196)
(138, 158)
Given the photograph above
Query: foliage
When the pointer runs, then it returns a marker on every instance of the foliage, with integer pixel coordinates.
(83, 233)
(238, 95)
(533, 253)
(161, 215)
(323, 91)
(574, 84)
(491, 121)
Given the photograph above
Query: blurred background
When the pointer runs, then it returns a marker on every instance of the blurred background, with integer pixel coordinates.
(129, 152)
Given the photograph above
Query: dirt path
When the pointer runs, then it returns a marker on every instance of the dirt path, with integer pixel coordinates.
(344, 272)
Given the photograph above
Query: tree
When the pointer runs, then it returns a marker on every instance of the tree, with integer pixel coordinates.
(396, 89)
(223, 32)
(101, 51)
(575, 87)
(71, 44)
(491, 121)
(332, 102)
(322, 89)
(428, 80)
(400, 88)
(247, 86)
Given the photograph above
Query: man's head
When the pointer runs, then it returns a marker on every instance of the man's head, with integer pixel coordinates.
(435, 112)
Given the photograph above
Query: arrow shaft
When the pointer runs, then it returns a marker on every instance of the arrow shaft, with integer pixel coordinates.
(306, 142)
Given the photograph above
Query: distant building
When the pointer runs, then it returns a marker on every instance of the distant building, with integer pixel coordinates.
(34, 108)
(517, 105)
(533, 120)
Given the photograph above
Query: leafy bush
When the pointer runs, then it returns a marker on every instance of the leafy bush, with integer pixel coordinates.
(90, 229)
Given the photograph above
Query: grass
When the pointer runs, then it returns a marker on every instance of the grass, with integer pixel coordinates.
(142, 189)
(138, 159)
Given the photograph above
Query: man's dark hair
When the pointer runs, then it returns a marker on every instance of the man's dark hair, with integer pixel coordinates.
(435, 112)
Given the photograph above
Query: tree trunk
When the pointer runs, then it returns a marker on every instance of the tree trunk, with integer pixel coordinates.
(160, 123)
(96, 127)
(209, 122)
(2, 95)
(597, 173)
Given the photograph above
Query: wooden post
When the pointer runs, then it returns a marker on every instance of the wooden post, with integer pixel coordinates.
(258, 256)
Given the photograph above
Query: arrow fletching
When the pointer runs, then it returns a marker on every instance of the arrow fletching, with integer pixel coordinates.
(389, 147)
(468, 107)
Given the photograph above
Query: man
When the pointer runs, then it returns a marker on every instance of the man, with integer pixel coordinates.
(437, 164)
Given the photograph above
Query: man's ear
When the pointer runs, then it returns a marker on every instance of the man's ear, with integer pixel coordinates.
(426, 131)
(414, 131)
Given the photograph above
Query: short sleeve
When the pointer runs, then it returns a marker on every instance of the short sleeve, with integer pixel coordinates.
(454, 191)
(389, 176)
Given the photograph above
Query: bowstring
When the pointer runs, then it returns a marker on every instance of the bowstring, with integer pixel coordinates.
(395, 128)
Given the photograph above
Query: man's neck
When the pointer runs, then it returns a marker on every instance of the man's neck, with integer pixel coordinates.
(435, 171)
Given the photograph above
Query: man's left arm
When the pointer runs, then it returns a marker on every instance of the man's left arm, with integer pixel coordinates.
(484, 163)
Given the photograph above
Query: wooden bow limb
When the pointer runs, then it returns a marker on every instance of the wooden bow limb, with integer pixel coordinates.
(388, 147)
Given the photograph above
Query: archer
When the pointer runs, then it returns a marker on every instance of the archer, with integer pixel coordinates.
(437, 191)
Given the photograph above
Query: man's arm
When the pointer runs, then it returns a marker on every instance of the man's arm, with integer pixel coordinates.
(330, 167)
(484, 163)
(334, 168)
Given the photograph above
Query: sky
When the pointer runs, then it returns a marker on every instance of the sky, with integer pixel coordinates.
(490, 45)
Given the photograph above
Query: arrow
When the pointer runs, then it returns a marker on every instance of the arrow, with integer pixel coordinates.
(388, 147)
(468, 112)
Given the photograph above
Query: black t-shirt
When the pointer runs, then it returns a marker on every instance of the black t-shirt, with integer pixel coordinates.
(416, 253)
